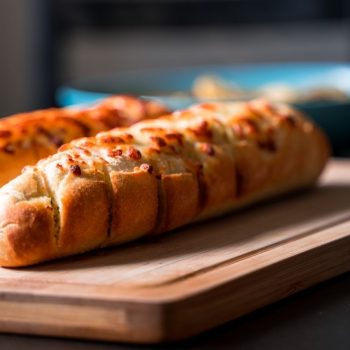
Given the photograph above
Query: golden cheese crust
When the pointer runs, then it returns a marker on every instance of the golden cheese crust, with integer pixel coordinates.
(155, 176)
(27, 137)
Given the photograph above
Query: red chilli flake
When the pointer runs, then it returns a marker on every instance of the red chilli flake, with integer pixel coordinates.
(75, 169)
(115, 152)
(133, 153)
(158, 141)
(59, 166)
(202, 130)
(70, 160)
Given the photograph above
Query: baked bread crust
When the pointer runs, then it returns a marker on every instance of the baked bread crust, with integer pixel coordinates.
(27, 137)
(157, 175)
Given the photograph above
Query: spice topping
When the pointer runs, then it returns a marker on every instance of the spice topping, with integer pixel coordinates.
(75, 169)
(175, 137)
(134, 153)
(158, 141)
(115, 153)
(202, 130)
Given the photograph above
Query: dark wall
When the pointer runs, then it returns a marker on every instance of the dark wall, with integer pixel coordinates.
(44, 43)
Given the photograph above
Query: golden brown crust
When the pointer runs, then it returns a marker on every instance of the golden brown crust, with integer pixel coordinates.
(30, 238)
(157, 175)
(27, 137)
(84, 214)
(181, 200)
(28, 232)
(135, 208)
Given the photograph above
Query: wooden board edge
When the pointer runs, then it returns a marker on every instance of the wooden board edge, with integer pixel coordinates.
(136, 323)
(185, 318)
(177, 318)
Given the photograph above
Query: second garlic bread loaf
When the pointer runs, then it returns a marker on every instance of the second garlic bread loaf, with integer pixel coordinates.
(27, 137)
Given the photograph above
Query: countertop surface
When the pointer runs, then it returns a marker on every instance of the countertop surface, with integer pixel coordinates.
(317, 318)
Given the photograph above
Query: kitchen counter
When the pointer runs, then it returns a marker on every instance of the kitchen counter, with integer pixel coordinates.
(318, 318)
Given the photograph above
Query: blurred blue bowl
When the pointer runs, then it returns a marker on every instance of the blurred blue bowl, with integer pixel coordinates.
(333, 117)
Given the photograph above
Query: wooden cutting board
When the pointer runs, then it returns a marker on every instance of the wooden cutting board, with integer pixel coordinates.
(191, 280)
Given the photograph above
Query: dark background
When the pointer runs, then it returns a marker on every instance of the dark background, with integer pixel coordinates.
(45, 43)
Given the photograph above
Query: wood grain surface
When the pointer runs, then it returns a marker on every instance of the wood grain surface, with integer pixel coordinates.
(180, 284)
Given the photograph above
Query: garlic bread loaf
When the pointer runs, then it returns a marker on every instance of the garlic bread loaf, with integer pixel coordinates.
(27, 137)
(156, 175)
